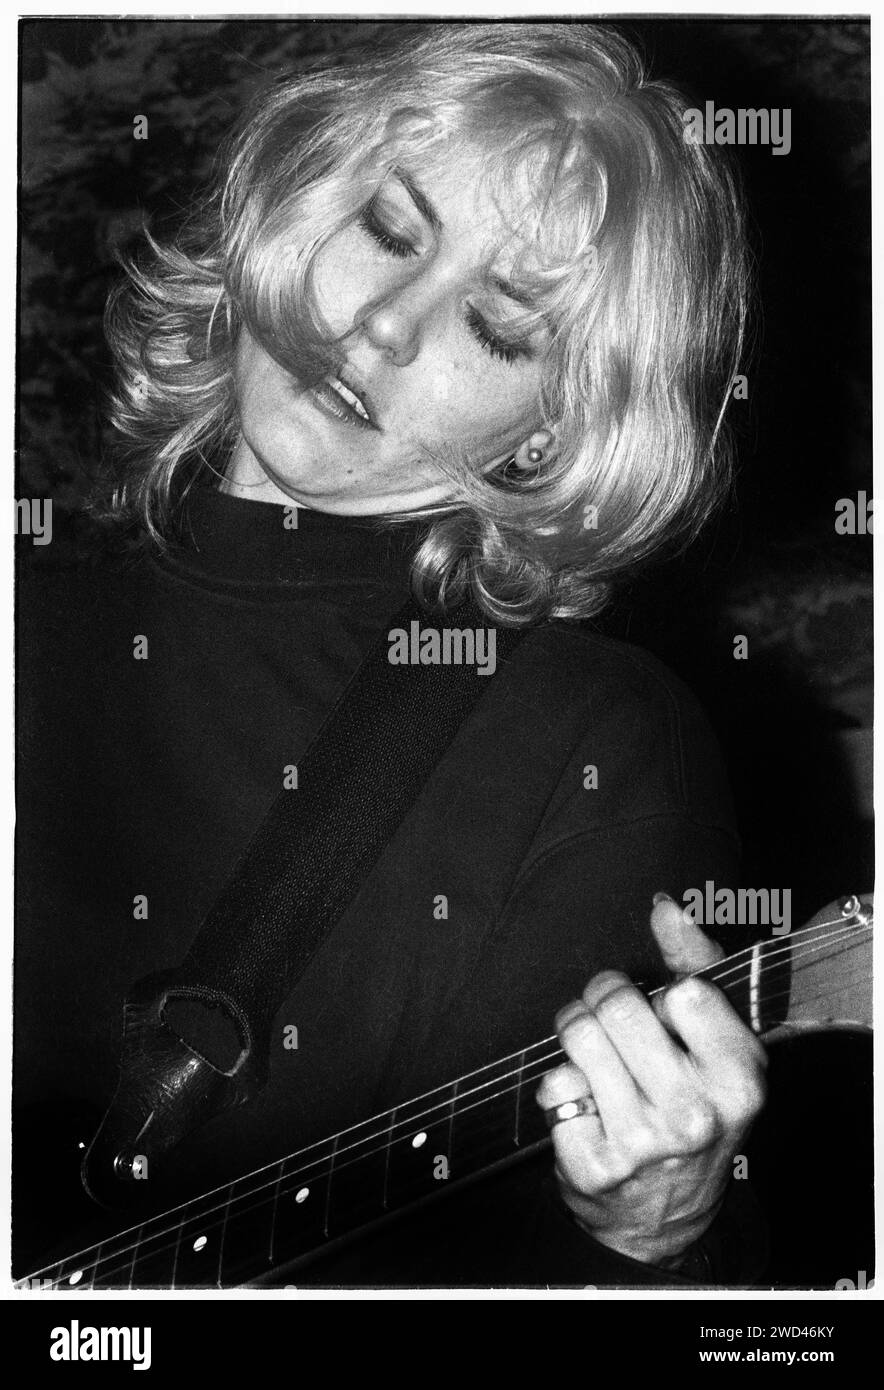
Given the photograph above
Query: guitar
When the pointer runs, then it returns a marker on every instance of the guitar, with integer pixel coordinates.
(289, 1213)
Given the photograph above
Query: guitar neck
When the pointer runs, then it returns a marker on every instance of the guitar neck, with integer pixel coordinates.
(307, 1201)
(290, 1211)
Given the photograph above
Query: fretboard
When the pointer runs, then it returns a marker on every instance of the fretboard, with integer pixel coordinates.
(306, 1202)
(302, 1204)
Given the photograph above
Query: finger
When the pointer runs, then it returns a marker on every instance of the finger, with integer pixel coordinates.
(561, 1084)
(564, 1085)
(656, 1063)
(586, 1138)
(728, 1057)
(579, 1140)
(587, 1045)
(683, 946)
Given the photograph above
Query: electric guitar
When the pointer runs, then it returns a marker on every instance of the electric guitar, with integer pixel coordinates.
(283, 1216)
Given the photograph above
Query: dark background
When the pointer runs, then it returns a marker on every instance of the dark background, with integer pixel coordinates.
(795, 718)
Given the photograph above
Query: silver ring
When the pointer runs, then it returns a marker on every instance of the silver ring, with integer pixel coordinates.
(570, 1110)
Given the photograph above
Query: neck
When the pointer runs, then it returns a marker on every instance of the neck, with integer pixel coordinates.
(244, 477)
(311, 1201)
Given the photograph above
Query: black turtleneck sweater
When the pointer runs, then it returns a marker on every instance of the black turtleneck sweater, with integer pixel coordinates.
(149, 777)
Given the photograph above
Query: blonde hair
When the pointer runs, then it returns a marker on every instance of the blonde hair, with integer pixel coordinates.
(632, 243)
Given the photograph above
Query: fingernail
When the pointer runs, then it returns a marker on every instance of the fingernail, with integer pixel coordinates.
(662, 898)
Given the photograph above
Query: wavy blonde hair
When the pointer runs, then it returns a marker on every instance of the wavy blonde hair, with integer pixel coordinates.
(631, 242)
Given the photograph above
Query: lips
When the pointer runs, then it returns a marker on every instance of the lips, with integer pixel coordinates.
(346, 400)
(350, 396)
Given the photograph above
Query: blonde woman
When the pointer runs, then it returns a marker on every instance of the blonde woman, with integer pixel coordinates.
(458, 319)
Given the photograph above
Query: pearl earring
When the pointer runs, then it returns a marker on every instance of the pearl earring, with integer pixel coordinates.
(535, 455)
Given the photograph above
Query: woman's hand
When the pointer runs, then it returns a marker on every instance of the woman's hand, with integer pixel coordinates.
(676, 1083)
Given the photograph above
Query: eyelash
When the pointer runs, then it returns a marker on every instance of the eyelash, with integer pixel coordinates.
(402, 250)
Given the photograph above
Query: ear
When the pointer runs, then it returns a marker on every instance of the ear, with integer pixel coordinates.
(534, 451)
(539, 442)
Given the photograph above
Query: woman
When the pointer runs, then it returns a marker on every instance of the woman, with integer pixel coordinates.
(461, 318)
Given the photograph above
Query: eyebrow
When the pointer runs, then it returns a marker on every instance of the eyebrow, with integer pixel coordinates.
(431, 216)
(420, 199)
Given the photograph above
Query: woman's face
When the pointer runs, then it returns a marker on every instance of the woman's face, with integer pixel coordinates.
(427, 345)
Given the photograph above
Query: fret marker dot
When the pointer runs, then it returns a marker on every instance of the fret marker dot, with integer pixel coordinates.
(419, 1140)
(302, 1195)
(201, 1242)
(76, 1277)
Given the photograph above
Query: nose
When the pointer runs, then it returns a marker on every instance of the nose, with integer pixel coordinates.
(394, 324)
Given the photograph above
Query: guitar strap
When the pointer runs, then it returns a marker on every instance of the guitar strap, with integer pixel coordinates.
(304, 866)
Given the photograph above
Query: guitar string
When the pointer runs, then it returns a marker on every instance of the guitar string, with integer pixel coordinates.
(220, 1220)
(218, 1212)
(242, 1211)
(405, 1124)
(846, 928)
(297, 1178)
(847, 931)
(411, 1121)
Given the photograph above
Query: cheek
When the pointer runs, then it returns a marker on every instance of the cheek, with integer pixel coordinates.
(479, 399)
(440, 388)
(341, 280)
(263, 395)
(252, 372)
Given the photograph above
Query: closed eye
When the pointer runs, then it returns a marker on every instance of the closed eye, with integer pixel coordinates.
(505, 352)
(403, 250)
(396, 247)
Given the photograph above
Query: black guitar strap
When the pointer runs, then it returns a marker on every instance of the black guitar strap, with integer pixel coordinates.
(305, 864)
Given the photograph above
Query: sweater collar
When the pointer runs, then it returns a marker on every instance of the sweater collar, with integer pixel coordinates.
(235, 540)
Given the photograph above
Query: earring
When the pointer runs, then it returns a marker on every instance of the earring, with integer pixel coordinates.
(535, 455)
